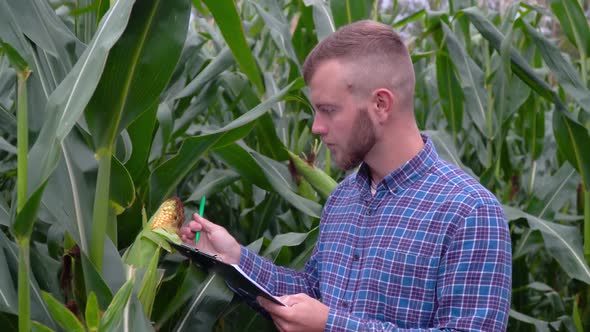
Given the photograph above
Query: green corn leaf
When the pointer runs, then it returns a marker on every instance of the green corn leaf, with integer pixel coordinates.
(203, 309)
(573, 141)
(574, 23)
(23, 225)
(222, 61)
(138, 67)
(165, 177)
(278, 25)
(64, 317)
(16, 59)
(348, 11)
(471, 78)
(149, 284)
(229, 22)
(563, 243)
(122, 190)
(92, 314)
(450, 92)
(113, 316)
(520, 66)
(322, 18)
(8, 295)
(212, 183)
(38, 327)
(243, 163)
(565, 72)
(281, 185)
(286, 240)
(66, 103)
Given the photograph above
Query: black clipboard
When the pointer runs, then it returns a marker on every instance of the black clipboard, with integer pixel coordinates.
(235, 278)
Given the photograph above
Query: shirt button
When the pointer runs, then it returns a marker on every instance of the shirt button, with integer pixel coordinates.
(369, 212)
(355, 257)
(344, 304)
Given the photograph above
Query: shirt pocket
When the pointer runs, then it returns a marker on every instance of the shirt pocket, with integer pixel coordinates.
(406, 284)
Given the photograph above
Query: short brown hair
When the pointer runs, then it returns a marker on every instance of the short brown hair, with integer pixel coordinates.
(374, 48)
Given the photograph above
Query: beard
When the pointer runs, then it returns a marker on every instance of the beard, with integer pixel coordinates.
(361, 140)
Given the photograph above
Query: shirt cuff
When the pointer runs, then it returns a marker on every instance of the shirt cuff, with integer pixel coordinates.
(342, 321)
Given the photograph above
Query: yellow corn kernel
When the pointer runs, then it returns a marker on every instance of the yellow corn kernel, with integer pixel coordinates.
(170, 214)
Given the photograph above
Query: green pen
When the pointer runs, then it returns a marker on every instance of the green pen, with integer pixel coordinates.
(201, 211)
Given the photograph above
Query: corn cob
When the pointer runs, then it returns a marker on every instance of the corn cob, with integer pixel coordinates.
(163, 225)
(170, 215)
(318, 179)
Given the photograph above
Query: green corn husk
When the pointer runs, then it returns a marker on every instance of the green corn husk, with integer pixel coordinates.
(319, 180)
(162, 226)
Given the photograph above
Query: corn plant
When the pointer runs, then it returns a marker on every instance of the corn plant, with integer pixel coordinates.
(107, 109)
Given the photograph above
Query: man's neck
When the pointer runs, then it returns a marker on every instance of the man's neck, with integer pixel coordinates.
(391, 152)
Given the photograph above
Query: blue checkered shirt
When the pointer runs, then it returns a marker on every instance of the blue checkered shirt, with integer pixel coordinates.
(430, 251)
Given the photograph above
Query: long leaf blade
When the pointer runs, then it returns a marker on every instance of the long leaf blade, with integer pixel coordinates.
(228, 20)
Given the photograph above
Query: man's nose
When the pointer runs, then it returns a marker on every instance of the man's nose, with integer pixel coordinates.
(318, 127)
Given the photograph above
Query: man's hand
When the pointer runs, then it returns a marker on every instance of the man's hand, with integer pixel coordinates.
(214, 239)
(302, 313)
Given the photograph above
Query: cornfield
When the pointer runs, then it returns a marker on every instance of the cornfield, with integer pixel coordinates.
(108, 108)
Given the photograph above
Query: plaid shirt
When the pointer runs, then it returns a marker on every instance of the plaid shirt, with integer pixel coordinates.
(429, 251)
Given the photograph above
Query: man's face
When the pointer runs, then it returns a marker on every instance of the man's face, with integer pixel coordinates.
(341, 119)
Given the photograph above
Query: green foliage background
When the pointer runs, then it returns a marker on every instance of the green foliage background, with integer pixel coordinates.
(108, 108)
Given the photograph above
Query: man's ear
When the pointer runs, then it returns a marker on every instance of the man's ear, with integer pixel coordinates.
(383, 102)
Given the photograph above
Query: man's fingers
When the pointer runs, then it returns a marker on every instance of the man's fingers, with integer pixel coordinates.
(268, 305)
(194, 226)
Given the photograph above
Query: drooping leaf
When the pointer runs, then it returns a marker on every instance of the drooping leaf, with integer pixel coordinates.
(213, 182)
(286, 240)
(222, 61)
(165, 177)
(281, 185)
(520, 66)
(564, 71)
(562, 242)
(243, 163)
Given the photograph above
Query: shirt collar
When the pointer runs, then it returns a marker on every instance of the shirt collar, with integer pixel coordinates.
(405, 175)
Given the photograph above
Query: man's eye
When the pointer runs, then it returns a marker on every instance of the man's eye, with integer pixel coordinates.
(327, 110)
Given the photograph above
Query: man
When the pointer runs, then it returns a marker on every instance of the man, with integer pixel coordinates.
(408, 242)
